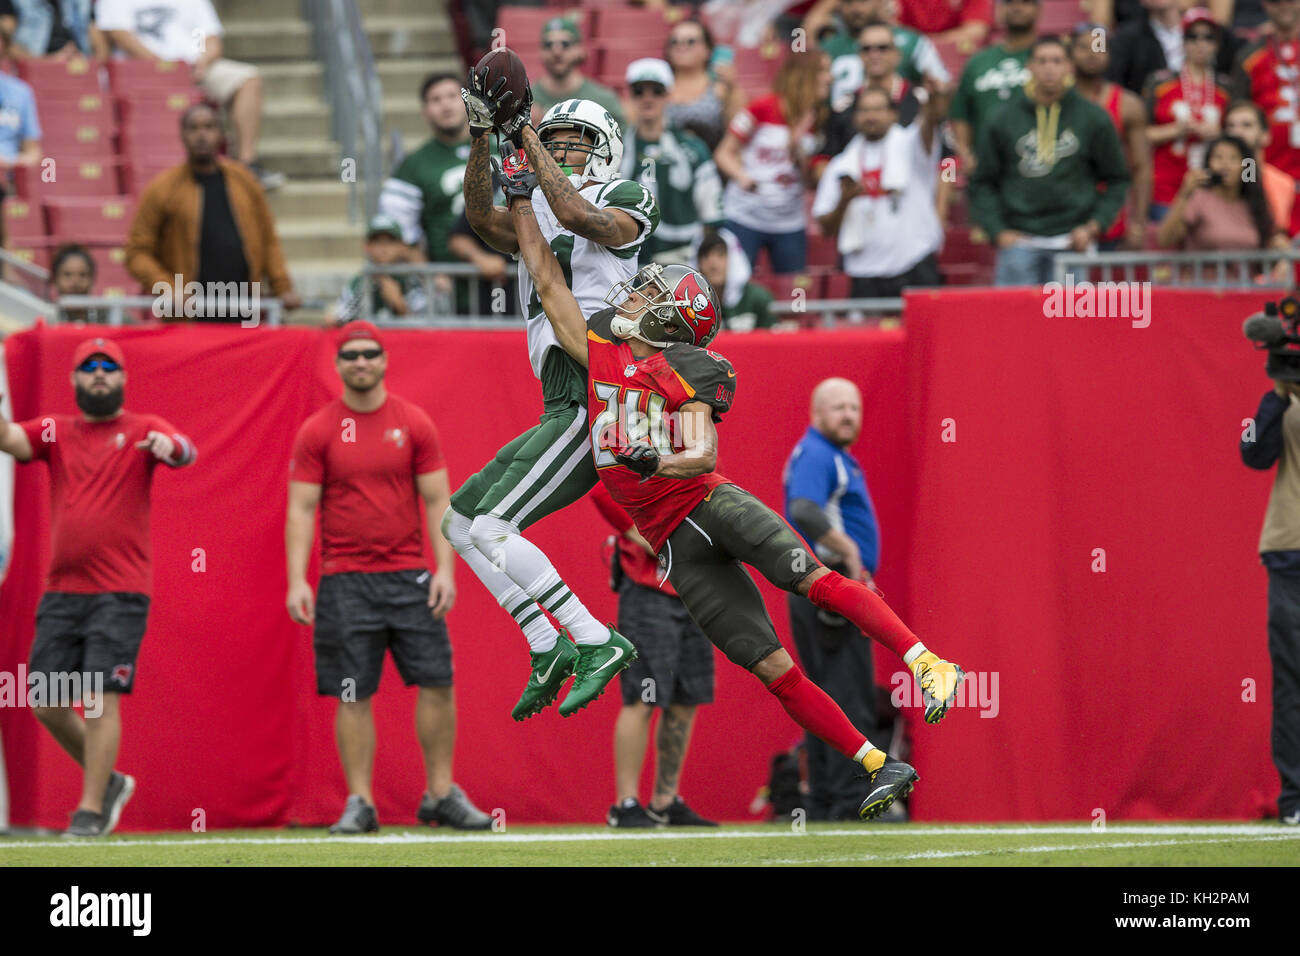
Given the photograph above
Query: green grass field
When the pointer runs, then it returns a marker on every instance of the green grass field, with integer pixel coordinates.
(1264, 844)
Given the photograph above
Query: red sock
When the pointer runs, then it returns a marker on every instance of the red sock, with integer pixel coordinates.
(813, 710)
(854, 600)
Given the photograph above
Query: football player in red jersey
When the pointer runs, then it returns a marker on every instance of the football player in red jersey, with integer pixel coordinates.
(654, 395)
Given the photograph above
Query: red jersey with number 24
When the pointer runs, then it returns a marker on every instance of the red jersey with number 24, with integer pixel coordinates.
(630, 399)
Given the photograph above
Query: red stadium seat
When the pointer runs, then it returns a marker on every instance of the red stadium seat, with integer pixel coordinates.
(70, 176)
(55, 77)
(111, 278)
(37, 252)
(139, 171)
(148, 104)
(648, 28)
(127, 77)
(23, 219)
(835, 286)
(760, 62)
(822, 250)
(614, 62)
(526, 23)
(1059, 16)
(784, 287)
(90, 220)
(964, 261)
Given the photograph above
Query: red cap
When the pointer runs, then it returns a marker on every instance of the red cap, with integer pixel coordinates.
(359, 329)
(1198, 15)
(98, 346)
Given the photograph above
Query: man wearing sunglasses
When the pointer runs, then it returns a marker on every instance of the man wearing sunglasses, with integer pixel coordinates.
(673, 164)
(562, 57)
(371, 462)
(92, 616)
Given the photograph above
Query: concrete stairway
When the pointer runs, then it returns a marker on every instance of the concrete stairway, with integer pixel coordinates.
(409, 39)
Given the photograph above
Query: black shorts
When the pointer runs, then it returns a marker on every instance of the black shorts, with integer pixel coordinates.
(674, 662)
(703, 558)
(89, 634)
(359, 615)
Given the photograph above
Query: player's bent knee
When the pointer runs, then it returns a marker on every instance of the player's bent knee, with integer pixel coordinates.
(773, 666)
(489, 533)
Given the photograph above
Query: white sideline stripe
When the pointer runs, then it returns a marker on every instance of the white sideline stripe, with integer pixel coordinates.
(1049, 848)
(1236, 831)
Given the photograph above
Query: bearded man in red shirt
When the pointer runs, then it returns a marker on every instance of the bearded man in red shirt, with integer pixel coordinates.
(92, 616)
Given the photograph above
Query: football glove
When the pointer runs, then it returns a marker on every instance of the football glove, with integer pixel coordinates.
(516, 177)
(640, 456)
(477, 107)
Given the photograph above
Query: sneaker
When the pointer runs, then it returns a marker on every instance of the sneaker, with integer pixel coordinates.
(85, 823)
(598, 664)
(358, 817)
(1290, 820)
(453, 810)
(939, 680)
(895, 779)
(116, 794)
(678, 814)
(550, 670)
(269, 179)
(630, 814)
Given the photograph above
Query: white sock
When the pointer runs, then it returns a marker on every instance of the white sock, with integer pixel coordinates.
(529, 568)
(539, 633)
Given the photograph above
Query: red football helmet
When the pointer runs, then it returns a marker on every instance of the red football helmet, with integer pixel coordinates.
(677, 304)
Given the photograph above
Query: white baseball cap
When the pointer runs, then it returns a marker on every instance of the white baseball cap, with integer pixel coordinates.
(650, 70)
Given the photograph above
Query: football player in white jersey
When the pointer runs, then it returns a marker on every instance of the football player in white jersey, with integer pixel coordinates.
(595, 223)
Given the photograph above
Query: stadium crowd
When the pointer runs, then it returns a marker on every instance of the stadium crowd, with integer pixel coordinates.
(732, 114)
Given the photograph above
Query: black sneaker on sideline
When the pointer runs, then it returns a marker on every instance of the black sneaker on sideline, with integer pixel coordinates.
(358, 817)
(453, 810)
(630, 815)
(85, 823)
(678, 814)
(116, 794)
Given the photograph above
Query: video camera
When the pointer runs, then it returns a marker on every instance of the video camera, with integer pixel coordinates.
(1277, 329)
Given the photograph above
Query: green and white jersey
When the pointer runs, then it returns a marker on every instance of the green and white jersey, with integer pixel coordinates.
(424, 195)
(678, 168)
(352, 299)
(590, 268)
(991, 77)
(918, 58)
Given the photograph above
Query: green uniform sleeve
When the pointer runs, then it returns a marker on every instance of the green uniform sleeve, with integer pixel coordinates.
(762, 298)
(639, 203)
(962, 106)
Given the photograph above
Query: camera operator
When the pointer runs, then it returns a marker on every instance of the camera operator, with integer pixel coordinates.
(1277, 439)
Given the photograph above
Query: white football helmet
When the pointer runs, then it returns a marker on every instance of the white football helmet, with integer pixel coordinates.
(604, 154)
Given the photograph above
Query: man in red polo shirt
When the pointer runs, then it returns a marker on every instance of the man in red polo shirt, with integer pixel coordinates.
(92, 617)
(372, 463)
(964, 22)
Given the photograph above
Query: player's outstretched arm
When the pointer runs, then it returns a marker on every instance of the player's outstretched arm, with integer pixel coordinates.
(492, 223)
(609, 227)
(557, 299)
(699, 456)
(13, 440)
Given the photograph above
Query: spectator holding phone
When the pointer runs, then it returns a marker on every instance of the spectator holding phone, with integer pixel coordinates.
(1220, 209)
(700, 101)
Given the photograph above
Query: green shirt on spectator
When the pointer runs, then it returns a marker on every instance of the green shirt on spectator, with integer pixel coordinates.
(752, 311)
(990, 78)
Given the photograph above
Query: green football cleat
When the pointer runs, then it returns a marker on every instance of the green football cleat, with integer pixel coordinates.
(550, 670)
(597, 666)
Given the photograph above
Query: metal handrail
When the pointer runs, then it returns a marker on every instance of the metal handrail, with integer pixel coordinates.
(114, 309)
(1250, 269)
(35, 279)
(354, 94)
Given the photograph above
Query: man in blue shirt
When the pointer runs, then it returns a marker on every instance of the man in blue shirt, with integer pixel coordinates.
(20, 130)
(827, 501)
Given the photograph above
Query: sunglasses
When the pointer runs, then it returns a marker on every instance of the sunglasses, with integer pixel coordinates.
(560, 44)
(1205, 37)
(683, 41)
(94, 365)
(876, 47)
(654, 89)
(351, 355)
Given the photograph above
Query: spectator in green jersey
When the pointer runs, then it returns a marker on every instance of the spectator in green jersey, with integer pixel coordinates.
(992, 76)
(563, 55)
(746, 305)
(391, 297)
(673, 164)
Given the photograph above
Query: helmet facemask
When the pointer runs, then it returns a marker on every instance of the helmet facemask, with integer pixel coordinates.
(656, 317)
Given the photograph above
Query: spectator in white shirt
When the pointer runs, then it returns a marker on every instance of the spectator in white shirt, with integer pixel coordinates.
(878, 197)
(768, 156)
(189, 31)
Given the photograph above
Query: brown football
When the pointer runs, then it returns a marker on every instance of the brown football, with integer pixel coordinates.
(504, 63)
